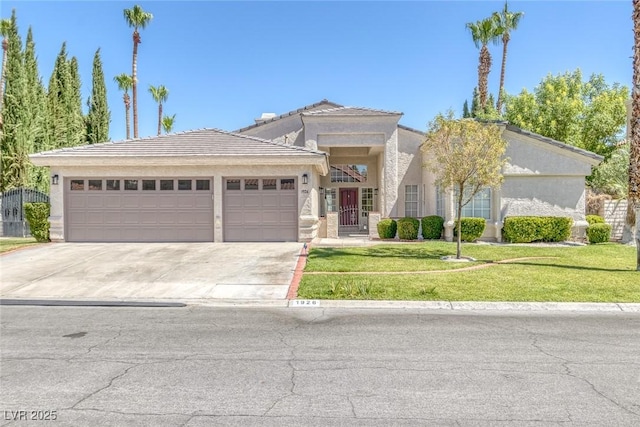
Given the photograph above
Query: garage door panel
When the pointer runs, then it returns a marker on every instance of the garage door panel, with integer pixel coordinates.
(261, 214)
(139, 215)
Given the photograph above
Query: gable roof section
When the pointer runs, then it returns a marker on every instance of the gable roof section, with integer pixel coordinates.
(350, 111)
(290, 113)
(594, 158)
(201, 146)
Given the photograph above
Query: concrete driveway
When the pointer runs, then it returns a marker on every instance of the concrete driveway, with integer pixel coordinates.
(150, 271)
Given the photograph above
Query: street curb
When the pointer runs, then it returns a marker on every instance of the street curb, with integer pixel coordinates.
(471, 305)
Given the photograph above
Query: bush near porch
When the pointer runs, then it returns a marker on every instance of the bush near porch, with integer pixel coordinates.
(593, 273)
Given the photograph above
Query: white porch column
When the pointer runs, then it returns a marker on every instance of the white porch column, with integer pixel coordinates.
(56, 201)
(390, 176)
(218, 235)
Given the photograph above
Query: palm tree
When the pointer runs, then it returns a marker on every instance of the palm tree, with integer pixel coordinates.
(505, 21)
(136, 18)
(160, 95)
(5, 26)
(483, 32)
(167, 123)
(634, 158)
(124, 84)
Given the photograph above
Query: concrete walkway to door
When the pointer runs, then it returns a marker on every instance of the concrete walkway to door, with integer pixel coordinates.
(164, 271)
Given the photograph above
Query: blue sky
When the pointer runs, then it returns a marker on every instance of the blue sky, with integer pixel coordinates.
(225, 63)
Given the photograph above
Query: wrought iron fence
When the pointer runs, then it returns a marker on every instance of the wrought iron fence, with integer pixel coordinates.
(14, 223)
(349, 215)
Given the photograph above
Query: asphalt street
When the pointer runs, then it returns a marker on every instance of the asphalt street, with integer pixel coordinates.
(203, 366)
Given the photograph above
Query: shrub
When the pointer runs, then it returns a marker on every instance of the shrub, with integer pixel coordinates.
(472, 229)
(432, 227)
(595, 219)
(387, 228)
(599, 233)
(37, 215)
(525, 229)
(408, 228)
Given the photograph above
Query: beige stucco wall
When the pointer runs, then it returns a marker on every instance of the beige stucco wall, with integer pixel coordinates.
(410, 170)
(307, 194)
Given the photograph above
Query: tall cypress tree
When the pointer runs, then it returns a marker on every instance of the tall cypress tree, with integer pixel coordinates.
(36, 105)
(15, 141)
(77, 130)
(56, 100)
(98, 117)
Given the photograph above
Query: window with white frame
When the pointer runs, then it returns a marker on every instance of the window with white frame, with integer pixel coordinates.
(348, 173)
(366, 201)
(330, 201)
(479, 206)
(440, 202)
(411, 200)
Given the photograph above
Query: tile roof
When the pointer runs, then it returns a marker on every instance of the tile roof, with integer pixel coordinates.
(290, 113)
(351, 111)
(201, 142)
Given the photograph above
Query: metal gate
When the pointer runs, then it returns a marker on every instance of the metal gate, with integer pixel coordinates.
(13, 221)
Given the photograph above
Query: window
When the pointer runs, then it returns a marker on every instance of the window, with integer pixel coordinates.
(440, 202)
(77, 184)
(269, 184)
(113, 184)
(251, 184)
(330, 201)
(95, 184)
(479, 206)
(366, 201)
(166, 185)
(288, 184)
(203, 185)
(131, 184)
(411, 200)
(184, 184)
(348, 173)
(148, 185)
(233, 184)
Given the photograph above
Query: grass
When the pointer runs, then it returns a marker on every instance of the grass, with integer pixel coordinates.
(11, 243)
(594, 273)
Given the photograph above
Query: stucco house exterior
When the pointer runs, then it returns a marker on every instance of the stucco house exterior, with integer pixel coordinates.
(321, 170)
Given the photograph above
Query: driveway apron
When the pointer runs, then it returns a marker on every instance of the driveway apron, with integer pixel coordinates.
(150, 270)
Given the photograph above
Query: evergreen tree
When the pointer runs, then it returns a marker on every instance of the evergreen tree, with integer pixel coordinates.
(475, 103)
(98, 117)
(36, 112)
(16, 140)
(465, 110)
(76, 123)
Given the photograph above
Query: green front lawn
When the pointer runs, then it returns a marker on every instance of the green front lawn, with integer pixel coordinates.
(11, 243)
(594, 273)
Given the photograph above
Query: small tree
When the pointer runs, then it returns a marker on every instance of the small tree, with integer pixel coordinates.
(466, 156)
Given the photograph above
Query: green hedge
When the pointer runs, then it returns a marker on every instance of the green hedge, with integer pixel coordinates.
(595, 219)
(472, 229)
(526, 229)
(387, 228)
(432, 227)
(408, 228)
(37, 215)
(599, 233)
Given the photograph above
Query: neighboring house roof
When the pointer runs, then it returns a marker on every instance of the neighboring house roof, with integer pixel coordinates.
(201, 146)
(290, 113)
(350, 111)
(407, 128)
(555, 143)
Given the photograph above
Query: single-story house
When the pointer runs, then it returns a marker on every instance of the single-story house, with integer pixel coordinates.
(321, 170)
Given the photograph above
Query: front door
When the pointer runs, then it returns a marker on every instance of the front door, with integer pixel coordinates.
(349, 207)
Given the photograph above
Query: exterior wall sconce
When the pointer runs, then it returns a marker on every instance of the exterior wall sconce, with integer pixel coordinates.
(321, 190)
(54, 179)
(375, 191)
(305, 178)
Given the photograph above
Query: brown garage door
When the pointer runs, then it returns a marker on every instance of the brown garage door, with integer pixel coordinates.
(139, 210)
(260, 210)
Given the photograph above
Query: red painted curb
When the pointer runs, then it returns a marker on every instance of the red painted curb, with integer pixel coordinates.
(297, 274)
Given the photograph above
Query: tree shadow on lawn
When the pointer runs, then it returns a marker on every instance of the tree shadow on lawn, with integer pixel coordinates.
(569, 267)
(393, 252)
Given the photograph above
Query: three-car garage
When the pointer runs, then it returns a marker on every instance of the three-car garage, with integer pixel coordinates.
(179, 209)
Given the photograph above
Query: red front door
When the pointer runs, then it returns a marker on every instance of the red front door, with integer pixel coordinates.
(349, 206)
